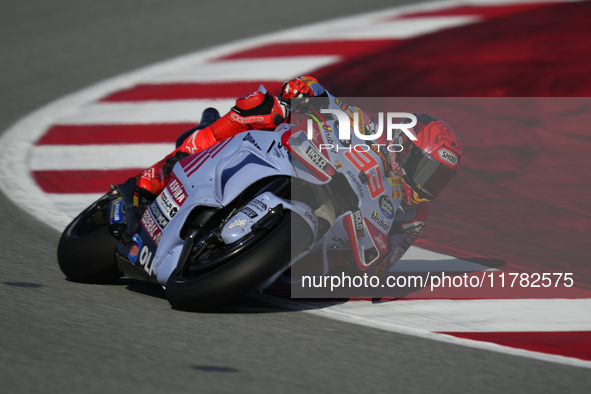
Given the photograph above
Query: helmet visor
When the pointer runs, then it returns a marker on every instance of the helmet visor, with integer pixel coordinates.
(427, 176)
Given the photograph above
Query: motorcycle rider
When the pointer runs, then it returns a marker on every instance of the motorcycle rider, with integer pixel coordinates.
(423, 168)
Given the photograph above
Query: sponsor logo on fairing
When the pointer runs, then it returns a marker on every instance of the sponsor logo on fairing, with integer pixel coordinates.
(320, 161)
(396, 255)
(358, 223)
(386, 206)
(380, 221)
(167, 204)
(382, 245)
(249, 212)
(136, 200)
(328, 141)
(146, 259)
(316, 158)
(356, 182)
(133, 253)
(177, 191)
(395, 181)
(279, 148)
(311, 216)
(394, 165)
(151, 227)
(237, 223)
(340, 243)
(448, 156)
(258, 204)
(117, 211)
(158, 216)
(135, 249)
(250, 138)
(406, 243)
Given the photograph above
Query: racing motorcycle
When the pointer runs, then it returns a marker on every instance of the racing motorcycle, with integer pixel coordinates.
(236, 216)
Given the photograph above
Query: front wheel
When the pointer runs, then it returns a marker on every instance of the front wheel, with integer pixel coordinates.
(245, 272)
(86, 250)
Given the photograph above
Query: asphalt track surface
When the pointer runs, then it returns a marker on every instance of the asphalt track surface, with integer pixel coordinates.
(59, 336)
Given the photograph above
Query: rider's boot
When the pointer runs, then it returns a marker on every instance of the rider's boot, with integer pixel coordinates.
(209, 116)
(155, 178)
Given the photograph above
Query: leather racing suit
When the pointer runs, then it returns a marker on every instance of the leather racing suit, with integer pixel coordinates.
(256, 110)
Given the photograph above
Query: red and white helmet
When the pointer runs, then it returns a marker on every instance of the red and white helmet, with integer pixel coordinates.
(430, 162)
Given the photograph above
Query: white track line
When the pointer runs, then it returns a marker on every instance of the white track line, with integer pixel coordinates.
(369, 28)
(97, 157)
(145, 112)
(422, 260)
(521, 315)
(389, 323)
(270, 69)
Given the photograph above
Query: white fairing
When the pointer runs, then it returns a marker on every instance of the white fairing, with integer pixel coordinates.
(378, 196)
(215, 177)
(241, 223)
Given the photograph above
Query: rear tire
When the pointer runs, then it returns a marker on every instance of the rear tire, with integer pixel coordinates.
(243, 273)
(86, 251)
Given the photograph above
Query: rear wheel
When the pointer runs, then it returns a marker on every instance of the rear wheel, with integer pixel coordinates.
(216, 284)
(86, 250)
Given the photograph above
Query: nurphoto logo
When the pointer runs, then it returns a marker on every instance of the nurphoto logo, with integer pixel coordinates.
(343, 126)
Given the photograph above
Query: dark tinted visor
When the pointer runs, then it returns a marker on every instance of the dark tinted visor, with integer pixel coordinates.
(425, 175)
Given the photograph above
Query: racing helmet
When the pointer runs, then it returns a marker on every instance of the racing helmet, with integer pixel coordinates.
(430, 162)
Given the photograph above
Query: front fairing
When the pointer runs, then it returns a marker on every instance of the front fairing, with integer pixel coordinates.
(364, 229)
(212, 178)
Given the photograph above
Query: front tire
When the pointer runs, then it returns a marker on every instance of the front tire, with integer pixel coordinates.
(86, 250)
(243, 273)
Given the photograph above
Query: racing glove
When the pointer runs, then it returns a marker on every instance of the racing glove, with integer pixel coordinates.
(301, 87)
